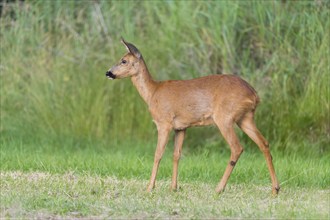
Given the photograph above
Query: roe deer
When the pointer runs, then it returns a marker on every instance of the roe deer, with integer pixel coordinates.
(223, 100)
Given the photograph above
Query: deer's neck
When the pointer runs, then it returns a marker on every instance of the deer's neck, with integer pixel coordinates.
(144, 83)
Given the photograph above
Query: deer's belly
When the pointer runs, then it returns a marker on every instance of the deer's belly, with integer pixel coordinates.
(184, 121)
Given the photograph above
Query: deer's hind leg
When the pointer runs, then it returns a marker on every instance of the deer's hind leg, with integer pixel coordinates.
(226, 128)
(247, 124)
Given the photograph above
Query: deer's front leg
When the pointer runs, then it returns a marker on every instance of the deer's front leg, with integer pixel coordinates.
(163, 133)
(179, 136)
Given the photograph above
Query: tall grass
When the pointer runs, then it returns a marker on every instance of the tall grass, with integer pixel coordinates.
(54, 55)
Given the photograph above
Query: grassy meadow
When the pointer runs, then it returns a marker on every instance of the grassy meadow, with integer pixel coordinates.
(74, 144)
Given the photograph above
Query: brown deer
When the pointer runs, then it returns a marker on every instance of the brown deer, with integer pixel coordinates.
(223, 100)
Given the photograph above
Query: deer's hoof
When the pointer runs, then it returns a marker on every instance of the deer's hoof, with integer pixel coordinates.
(150, 189)
(276, 190)
(219, 190)
(175, 189)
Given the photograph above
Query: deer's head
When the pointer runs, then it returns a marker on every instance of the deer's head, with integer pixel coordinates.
(128, 65)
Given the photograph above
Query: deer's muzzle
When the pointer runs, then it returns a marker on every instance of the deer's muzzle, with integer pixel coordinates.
(110, 75)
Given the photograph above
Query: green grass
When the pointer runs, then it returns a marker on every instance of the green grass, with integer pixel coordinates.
(73, 144)
(45, 195)
(135, 162)
(92, 181)
(82, 180)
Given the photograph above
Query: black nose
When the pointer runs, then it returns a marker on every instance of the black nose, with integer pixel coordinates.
(110, 75)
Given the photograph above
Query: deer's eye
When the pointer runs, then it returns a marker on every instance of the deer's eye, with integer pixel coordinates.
(124, 61)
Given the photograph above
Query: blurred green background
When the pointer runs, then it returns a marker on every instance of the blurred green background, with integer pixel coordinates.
(54, 55)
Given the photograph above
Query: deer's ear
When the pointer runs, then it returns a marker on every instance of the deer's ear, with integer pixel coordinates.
(131, 48)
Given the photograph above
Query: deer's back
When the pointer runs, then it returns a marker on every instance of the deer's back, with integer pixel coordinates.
(194, 102)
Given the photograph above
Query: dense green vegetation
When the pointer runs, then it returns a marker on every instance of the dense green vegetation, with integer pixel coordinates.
(60, 115)
(54, 55)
